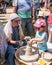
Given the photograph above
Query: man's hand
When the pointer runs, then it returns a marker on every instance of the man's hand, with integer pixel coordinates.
(27, 38)
(21, 42)
(18, 42)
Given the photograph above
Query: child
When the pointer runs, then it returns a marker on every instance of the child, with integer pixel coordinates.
(41, 35)
(41, 16)
(44, 10)
(50, 23)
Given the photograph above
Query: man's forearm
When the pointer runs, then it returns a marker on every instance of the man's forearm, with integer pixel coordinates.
(14, 9)
(14, 42)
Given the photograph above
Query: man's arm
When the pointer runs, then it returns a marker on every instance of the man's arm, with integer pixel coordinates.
(14, 3)
(14, 9)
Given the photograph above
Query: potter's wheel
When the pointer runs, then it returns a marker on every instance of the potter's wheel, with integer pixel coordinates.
(47, 56)
(22, 57)
(27, 53)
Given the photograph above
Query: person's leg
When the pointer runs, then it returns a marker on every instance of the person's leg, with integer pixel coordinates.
(23, 24)
(29, 27)
(10, 58)
(51, 38)
(50, 33)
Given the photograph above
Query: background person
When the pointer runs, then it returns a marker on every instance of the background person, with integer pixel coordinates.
(50, 23)
(23, 9)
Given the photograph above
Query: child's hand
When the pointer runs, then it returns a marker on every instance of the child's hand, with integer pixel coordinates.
(32, 41)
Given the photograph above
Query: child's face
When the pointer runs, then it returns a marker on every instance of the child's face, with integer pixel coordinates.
(40, 29)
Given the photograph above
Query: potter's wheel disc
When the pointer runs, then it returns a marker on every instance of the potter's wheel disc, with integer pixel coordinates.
(47, 56)
(29, 58)
(33, 57)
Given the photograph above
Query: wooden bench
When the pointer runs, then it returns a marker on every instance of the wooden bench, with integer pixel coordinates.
(3, 19)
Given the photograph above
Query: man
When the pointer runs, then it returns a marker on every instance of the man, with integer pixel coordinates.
(23, 9)
(14, 35)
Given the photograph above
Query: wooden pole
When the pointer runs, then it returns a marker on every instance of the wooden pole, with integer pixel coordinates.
(32, 16)
(32, 11)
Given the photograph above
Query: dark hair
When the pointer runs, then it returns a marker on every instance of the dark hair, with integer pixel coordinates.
(43, 26)
(41, 17)
(50, 5)
(42, 4)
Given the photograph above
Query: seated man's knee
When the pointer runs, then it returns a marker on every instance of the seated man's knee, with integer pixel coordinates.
(11, 50)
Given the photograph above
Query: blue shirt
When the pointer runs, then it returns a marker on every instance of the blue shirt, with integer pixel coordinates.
(23, 8)
(24, 5)
(15, 36)
(43, 44)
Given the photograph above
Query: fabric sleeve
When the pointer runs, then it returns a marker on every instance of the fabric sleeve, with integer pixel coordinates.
(44, 35)
(9, 37)
(36, 35)
(14, 2)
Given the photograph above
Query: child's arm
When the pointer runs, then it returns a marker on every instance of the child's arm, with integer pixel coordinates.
(43, 37)
(39, 39)
(36, 39)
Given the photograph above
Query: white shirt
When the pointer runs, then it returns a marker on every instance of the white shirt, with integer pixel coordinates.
(14, 2)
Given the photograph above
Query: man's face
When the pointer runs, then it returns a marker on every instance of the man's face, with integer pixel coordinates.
(15, 22)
